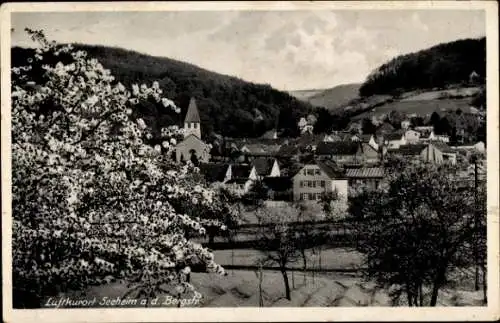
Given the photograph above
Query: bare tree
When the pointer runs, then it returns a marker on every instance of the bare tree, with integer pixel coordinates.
(277, 240)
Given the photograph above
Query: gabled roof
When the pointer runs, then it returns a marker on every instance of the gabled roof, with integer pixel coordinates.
(278, 184)
(240, 171)
(442, 146)
(365, 138)
(410, 150)
(192, 114)
(263, 165)
(331, 169)
(337, 148)
(213, 172)
(288, 150)
(191, 136)
(365, 172)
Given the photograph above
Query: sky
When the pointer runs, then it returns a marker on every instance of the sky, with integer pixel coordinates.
(290, 50)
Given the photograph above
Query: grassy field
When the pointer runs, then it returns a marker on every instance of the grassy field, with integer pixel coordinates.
(337, 258)
(421, 107)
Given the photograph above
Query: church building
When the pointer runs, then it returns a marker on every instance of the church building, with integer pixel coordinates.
(192, 147)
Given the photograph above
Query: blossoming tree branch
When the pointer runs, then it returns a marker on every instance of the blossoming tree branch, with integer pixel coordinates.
(92, 198)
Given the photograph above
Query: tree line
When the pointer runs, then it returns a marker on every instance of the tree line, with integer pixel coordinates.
(458, 62)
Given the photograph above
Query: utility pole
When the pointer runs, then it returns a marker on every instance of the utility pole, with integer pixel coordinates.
(476, 223)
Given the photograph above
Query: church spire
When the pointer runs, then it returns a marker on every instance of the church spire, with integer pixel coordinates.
(192, 122)
(192, 114)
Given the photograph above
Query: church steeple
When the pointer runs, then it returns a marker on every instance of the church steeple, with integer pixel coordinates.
(192, 122)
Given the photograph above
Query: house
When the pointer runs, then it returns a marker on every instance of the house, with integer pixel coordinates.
(332, 137)
(240, 178)
(434, 137)
(270, 134)
(317, 178)
(278, 188)
(405, 124)
(424, 129)
(412, 136)
(370, 140)
(308, 142)
(479, 147)
(260, 149)
(214, 172)
(394, 139)
(410, 151)
(435, 152)
(347, 152)
(384, 128)
(192, 147)
(266, 167)
(439, 152)
(369, 177)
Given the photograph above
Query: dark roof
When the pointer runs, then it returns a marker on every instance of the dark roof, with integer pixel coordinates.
(443, 147)
(240, 171)
(385, 127)
(394, 135)
(365, 138)
(365, 172)
(192, 112)
(263, 165)
(337, 148)
(288, 150)
(278, 184)
(330, 168)
(309, 139)
(237, 181)
(410, 150)
(213, 172)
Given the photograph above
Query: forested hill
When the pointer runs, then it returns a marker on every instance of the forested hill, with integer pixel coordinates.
(227, 105)
(437, 67)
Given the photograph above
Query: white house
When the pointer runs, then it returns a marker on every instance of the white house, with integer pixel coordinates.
(434, 137)
(412, 136)
(394, 140)
(317, 178)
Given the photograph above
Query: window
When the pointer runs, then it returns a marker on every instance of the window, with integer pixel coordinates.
(323, 183)
(309, 184)
(305, 171)
(301, 183)
(301, 196)
(310, 196)
(310, 171)
(317, 172)
(314, 184)
(195, 125)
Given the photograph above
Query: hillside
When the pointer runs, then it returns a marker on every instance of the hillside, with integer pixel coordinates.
(331, 98)
(227, 105)
(304, 95)
(440, 66)
(336, 97)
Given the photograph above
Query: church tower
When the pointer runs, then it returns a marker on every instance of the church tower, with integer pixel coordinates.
(192, 124)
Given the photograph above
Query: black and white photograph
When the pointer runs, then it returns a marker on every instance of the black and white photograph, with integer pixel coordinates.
(307, 156)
